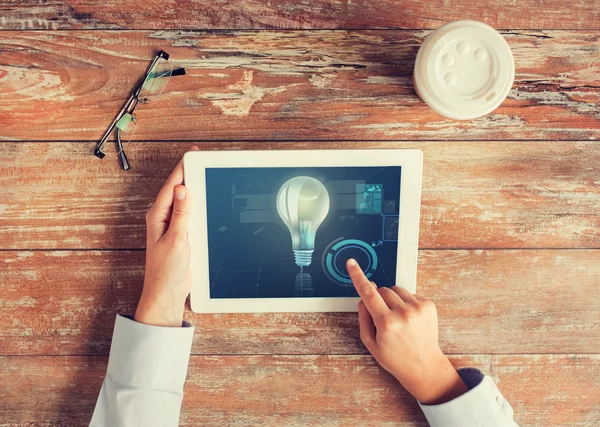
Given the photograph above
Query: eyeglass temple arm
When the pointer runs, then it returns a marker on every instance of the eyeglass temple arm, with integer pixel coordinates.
(127, 106)
(122, 157)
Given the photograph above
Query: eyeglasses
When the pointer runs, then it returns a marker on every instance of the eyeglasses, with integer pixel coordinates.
(150, 87)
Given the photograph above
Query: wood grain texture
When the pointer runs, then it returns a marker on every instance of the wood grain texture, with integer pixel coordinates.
(292, 85)
(255, 90)
(475, 194)
(518, 301)
(240, 14)
(573, 379)
(545, 391)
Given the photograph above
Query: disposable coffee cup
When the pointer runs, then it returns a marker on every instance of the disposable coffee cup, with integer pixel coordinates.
(464, 70)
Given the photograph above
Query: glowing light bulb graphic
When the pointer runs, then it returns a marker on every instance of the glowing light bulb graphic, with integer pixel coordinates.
(303, 204)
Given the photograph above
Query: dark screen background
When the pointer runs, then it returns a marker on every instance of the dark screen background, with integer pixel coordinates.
(250, 248)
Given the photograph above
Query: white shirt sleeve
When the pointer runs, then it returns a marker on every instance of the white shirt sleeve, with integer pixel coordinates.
(146, 372)
(482, 406)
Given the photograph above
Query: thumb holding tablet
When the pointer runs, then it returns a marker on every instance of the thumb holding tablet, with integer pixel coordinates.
(182, 209)
(167, 278)
(400, 330)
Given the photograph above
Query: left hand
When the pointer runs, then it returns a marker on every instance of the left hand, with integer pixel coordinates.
(168, 279)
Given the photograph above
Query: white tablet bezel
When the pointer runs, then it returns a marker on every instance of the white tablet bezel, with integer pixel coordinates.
(195, 164)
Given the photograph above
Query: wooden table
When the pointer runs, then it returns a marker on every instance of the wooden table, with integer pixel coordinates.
(510, 230)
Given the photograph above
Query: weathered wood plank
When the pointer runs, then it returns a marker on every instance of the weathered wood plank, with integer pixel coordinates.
(573, 379)
(291, 85)
(518, 301)
(89, 14)
(545, 391)
(475, 194)
(233, 390)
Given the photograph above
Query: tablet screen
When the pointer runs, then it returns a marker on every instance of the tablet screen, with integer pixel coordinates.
(288, 232)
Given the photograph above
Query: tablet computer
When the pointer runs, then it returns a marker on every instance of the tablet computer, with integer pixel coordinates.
(271, 231)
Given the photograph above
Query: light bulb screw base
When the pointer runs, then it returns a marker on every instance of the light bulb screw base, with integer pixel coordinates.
(303, 257)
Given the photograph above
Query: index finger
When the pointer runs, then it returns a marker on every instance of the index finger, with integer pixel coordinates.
(368, 293)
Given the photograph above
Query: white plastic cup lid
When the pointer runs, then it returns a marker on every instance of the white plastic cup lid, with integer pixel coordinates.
(464, 70)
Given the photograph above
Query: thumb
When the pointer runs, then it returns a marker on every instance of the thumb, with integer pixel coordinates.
(182, 210)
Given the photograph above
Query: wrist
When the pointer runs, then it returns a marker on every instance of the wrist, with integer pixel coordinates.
(159, 312)
(439, 383)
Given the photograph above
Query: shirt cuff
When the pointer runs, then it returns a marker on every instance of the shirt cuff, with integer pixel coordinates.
(482, 405)
(154, 357)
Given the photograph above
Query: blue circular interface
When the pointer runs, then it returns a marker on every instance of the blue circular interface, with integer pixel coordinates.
(339, 251)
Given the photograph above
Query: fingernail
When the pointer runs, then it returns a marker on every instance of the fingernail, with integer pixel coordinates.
(352, 262)
(179, 193)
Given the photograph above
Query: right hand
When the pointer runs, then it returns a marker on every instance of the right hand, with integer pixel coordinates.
(400, 330)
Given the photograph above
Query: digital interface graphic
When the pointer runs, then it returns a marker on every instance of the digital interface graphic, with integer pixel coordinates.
(288, 232)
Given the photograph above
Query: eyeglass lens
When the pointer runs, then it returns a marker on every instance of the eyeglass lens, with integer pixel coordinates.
(156, 81)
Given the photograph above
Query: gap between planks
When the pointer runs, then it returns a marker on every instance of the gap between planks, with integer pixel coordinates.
(475, 248)
(292, 141)
(296, 355)
(275, 30)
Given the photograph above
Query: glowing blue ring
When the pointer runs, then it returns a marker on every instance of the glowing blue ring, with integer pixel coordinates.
(360, 243)
(357, 247)
(333, 273)
(350, 243)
